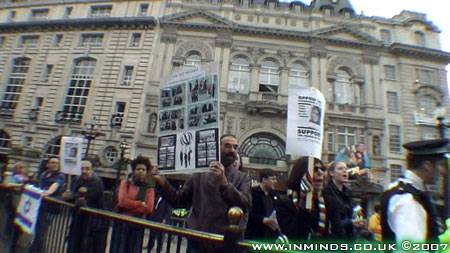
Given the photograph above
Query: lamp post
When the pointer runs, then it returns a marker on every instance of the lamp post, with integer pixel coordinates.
(90, 133)
(123, 146)
(441, 127)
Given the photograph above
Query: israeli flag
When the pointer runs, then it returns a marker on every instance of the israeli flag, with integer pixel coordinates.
(28, 209)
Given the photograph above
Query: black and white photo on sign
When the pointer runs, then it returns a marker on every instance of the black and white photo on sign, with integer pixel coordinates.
(207, 146)
(202, 115)
(171, 120)
(202, 89)
(173, 96)
(315, 115)
(166, 152)
(186, 150)
(70, 153)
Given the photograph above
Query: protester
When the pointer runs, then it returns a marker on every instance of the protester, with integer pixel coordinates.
(136, 198)
(407, 211)
(262, 223)
(162, 214)
(19, 175)
(52, 181)
(211, 194)
(296, 222)
(338, 203)
(87, 234)
(375, 223)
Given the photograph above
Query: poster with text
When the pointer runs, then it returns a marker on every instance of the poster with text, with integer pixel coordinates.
(189, 120)
(70, 153)
(306, 109)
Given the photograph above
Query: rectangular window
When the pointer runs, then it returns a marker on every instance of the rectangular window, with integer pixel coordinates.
(120, 107)
(39, 13)
(47, 73)
(127, 75)
(29, 40)
(38, 102)
(57, 40)
(68, 12)
(346, 136)
(386, 36)
(395, 140)
(393, 103)
(424, 76)
(101, 11)
(143, 9)
(16, 81)
(2, 40)
(389, 72)
(91, 40)
(135, 40)
(396, 172)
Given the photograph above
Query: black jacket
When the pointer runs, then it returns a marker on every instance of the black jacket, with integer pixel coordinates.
(255, 228)
(95, 188)
(297, 223)
(339, 211)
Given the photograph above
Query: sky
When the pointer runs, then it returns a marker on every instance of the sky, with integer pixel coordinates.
(437, 11)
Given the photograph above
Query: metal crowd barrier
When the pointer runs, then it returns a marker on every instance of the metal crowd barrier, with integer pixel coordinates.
(62, 227)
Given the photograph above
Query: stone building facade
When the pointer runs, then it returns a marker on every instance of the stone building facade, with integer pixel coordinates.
(67, 63)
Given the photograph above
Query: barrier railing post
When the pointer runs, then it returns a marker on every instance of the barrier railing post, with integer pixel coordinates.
(233, 234)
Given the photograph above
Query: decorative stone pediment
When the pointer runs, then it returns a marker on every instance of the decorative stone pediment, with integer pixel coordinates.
(196, 18)
(350, 63)
(345, 33)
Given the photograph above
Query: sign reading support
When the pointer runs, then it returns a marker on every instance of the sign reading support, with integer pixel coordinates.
(189, 120)
(28, 209)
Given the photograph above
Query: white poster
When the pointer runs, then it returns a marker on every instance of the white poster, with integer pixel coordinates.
(189, 120)
(306, 109)
(28, 209)
(70, 153)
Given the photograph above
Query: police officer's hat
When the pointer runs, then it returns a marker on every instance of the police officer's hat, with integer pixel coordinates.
(427, 147)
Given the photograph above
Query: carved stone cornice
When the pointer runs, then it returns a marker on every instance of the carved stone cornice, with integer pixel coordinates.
(266, 107)
(224, 38)
(64, 24)
(420, 52)
(169, 34)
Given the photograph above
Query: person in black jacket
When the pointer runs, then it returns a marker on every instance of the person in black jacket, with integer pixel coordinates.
(339, 204)
(296, 222)
(262, 224)
(87, 234)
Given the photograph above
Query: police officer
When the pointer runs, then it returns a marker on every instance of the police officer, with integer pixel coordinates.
(407, 212)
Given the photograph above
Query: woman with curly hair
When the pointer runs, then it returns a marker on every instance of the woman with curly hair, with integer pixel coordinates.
(135, 198)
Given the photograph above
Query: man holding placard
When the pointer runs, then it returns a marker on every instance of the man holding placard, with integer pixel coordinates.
(211, 194)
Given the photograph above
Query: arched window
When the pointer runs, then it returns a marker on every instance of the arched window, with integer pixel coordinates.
(263, 148)
(193, 58)
(5, 140)
(419, 38)
(427, 105)
(386, 36)
(15, 83)
(52, 147)
(298, 75)
(80, 84)
(239, 78)
(111, 154)
(345, 90)
(269, 76)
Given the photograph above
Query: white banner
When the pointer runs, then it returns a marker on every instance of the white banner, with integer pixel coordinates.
(28, 209)
(189, 120)
(306, 112)
(70, 153)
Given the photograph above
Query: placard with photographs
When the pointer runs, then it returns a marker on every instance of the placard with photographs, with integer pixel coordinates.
(189, 112)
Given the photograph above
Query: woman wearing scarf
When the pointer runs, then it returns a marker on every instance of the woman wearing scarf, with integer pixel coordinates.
(136, 198)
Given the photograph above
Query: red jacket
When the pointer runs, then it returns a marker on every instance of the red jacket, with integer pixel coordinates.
(128, 193)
